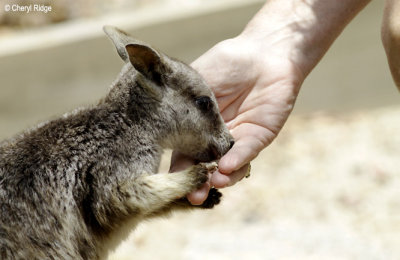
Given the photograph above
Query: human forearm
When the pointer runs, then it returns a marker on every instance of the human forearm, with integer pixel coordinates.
(301, 30)
(391, 37)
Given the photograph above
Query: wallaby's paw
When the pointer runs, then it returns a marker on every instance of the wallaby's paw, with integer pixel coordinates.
(214, 198)
(199, 174)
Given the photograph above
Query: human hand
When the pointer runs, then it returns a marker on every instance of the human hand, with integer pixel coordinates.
(255, 95)
(257, 75)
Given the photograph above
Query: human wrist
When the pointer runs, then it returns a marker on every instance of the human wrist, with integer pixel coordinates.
(272, 50)
(300, 31)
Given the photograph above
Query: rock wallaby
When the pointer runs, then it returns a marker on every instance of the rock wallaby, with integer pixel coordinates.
(74, 187)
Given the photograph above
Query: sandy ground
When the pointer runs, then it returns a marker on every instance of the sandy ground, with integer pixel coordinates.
(327, 188)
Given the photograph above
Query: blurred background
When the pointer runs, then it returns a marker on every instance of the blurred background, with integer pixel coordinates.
(327, 188)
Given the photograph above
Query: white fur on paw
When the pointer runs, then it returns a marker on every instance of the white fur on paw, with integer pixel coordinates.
(211, 166)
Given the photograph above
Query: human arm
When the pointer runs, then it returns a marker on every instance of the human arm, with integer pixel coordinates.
(257, 75)
(391, 37)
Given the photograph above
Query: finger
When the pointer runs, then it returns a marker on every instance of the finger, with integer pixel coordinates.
(243, 151)
(250, 139)
(219, 180)
(180, 162)
(199, 196)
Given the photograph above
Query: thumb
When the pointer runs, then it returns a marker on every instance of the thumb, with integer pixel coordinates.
(243, 151)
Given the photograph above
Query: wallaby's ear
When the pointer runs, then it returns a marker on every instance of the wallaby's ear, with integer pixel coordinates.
(120, 40)
(143, 58)
(146, 60)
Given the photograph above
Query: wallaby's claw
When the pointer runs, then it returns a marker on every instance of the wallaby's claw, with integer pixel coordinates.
(210, 166)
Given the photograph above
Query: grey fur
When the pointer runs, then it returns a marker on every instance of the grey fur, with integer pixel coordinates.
(74, 187)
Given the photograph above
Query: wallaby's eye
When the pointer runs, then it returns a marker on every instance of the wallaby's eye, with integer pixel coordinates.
(204, 103)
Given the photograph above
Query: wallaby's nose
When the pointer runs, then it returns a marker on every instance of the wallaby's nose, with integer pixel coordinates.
(231, 144)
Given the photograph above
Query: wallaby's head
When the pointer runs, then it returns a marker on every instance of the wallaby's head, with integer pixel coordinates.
(176, 95)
